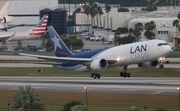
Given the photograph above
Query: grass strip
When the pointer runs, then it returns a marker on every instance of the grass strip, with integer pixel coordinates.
(114, 72)
(54, 101)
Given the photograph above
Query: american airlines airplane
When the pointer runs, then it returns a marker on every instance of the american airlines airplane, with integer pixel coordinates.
(145, 54)
(4, 18)
(38, 31)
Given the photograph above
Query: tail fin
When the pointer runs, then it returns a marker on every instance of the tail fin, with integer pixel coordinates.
(5, 9)
(60, 48)
(40, 28)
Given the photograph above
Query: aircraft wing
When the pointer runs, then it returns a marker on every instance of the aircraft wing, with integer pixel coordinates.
(59, 59)
(9, 27)
(8, 35)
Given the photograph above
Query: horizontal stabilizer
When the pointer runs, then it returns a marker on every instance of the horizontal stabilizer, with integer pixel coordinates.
(9, 27)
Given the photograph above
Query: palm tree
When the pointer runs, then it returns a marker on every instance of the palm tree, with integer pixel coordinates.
(133, 108)
(149, 27)
(27, 98)
(131, 31)
(137, 31)
(79, 108)
(87, 12)
(178, 16)
(100, 14)
(108, 9)
(93, 12)
(98, 9)
(78, 10)
(176, 24)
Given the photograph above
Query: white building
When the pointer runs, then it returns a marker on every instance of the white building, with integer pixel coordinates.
(163, 19)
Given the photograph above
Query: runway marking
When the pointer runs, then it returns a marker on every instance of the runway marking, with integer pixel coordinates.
(84, 90)
(159, 92)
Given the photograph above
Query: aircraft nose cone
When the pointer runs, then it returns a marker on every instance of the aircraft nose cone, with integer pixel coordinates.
(168, 49)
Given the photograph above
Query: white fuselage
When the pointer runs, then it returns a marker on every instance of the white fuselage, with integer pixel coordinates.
(133, 53)
(19, 35)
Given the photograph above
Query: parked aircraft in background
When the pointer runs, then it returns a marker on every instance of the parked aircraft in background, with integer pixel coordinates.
(146, 54)
(37, 31)
(5, 19)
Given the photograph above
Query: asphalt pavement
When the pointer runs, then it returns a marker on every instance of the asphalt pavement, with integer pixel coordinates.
(134, 85)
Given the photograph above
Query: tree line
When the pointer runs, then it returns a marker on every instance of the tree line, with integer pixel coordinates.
(121, 2)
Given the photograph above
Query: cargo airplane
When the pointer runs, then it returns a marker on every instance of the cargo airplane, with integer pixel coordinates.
(4, 18)
(38, 31)
(145, 54)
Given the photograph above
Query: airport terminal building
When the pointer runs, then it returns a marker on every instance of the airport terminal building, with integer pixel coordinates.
(163, 19)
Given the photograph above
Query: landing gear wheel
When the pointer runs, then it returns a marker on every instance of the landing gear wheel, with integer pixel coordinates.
(94, 75)
(125, 74)
(91, 75)
(128, 75)
(122, 74)
(98, 76)
(161, 66)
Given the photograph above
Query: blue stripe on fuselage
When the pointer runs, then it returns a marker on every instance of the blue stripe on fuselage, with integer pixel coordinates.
(88, 54)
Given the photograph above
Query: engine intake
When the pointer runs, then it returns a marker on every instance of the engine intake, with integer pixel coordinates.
(151, 64)
(5, 19)
(99, 64)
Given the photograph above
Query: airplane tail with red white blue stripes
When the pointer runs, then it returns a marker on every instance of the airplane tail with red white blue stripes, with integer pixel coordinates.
(40, 28)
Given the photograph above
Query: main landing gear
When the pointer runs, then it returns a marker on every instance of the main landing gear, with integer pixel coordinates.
(122, 74)
(125, 74)
(95, 75)
(161, 65)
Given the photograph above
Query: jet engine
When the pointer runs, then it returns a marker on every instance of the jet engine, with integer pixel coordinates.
(151, 64)
(99, 64)
(5, 19)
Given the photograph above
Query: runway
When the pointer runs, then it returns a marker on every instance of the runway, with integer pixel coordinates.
(41, 65)
(134, 85)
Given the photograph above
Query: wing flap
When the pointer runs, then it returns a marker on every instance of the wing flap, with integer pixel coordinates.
(45, 63)
(67, 59)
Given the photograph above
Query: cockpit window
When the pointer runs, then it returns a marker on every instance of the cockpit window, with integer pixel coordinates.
(160, 44)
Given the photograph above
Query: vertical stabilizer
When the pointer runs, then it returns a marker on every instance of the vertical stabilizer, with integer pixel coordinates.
(40, 28)
(61, 50)
(5, 9)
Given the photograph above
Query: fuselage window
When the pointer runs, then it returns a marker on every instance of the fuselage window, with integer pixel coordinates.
(160, 44)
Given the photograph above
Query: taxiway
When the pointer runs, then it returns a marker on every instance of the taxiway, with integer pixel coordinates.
(134, 85)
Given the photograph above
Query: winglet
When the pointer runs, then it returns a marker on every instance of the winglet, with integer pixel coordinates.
(61, 50)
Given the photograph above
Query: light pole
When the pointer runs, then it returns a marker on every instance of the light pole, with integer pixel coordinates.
(75, 18)
(82, 25)
(8, 106)
(178, 88)
(86, 97)
(145, 107)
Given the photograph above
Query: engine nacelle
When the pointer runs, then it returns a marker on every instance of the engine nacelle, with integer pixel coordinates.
(99, 64)
(151, 64)
(5, 19)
